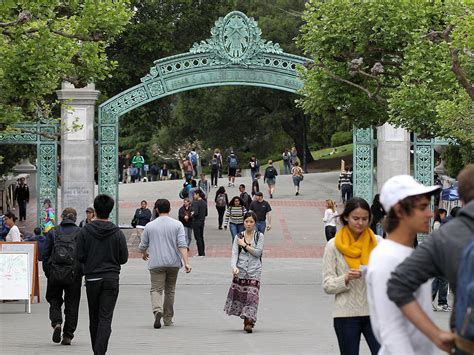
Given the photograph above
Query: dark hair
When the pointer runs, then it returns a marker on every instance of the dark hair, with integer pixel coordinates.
(37, 231)
(10, 215)
(103, 205)
(250, 214)
(351, 205)
(466, 183)
(162, 205)
(258, 174)
(232, 201)
(442, 211)
(392, 220)
(193, 183)
(454, 211)
(146, 203)
(69, 213)
(220, 190)
(242, 185)
(47, 201)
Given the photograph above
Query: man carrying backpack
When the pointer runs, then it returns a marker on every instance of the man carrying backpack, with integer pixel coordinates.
(270, 177)
(232, 163)
(193, 157)
(438, 256)
(64, 274)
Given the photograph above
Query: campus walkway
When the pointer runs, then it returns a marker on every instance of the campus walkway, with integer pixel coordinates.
(294, 314)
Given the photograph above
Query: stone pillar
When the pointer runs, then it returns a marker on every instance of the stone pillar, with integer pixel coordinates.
(77, 147)
(393, 153)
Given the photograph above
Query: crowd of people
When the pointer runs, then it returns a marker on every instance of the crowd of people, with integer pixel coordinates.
(380, 277)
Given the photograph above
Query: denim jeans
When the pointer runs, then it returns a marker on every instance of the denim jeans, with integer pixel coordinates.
(260, 226)
(101, 298)
(287, 165)
(346, 192)
(440, 287)
(235, 229)
(348, 331)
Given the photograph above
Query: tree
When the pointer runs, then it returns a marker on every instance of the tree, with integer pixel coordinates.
(407, 63)
(160, 29)
(44, 42)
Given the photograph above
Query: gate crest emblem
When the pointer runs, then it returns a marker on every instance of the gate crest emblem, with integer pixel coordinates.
(236, 40)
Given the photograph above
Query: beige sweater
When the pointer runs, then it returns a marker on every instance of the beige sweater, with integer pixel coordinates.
(351, 299)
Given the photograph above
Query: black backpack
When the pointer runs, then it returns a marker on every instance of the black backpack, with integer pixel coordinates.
(63, 264)
(271, 172)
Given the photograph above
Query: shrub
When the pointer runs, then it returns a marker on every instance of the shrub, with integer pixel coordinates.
(341, 138)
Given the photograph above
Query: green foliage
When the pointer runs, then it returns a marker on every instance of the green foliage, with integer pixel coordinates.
(396, 65)
(341, 138)
(45, 42)
(456, 157)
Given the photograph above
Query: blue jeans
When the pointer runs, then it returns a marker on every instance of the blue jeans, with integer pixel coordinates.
(260, 226)
(440, 287)
(348, 331)
(235, 229)
(287, 165)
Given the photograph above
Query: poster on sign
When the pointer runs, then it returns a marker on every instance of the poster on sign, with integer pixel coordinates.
(14, 277)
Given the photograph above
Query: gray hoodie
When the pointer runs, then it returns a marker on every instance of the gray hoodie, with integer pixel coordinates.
(437, 256)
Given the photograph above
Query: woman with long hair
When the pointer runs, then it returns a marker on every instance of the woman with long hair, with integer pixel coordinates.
(221, 201)
(329, 219)
(14, 233)
(243, 296)
(297, 176)
(234, 216)
(345, 259)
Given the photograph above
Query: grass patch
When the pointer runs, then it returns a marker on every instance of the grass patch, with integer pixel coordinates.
(343, 150)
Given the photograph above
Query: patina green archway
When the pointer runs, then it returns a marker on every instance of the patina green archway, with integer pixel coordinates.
(234, 55)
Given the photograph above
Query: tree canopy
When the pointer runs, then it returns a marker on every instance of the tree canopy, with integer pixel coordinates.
(44, 42)
(409, 63)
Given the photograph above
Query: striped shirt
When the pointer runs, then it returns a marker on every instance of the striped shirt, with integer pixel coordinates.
(234, 214)
(345, 178)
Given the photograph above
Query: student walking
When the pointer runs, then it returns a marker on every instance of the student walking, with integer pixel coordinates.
(49, 216)
(163, 244)
(90, 213)
(329, 220)
(244, 196)
(232, 163)
(142, 215)
(409, 213)
(270, 177)
(64, 279)
(438, 256)
(297, 176)
(345, 184)
(262, 210)
(234, 217)
(254, 166)
(138, 161)
(287, 161)
(256, 185)
(243, 296)
(345, 256)
(215, 165)
(184, 215)
(22, 196)
(102, 248)
(13, 234)
(204, 185)
(222, 201)
(198, 214)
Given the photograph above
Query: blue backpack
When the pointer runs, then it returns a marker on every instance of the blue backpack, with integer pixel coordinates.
(232, 162)
(194, 158)
(465, 298)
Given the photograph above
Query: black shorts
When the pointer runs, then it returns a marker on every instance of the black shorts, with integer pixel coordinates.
(232, 171)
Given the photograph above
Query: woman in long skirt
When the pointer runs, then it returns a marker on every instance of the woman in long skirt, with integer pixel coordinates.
(243, 297)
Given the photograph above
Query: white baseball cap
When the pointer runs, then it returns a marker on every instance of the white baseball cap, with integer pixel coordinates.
(399, 187)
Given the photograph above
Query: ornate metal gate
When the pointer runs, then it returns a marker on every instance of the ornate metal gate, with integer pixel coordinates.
(234, 55)
(44, 136)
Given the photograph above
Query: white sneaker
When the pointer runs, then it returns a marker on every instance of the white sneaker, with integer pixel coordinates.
(435, 307)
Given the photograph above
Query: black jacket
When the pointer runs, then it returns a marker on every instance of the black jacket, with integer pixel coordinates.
(102, 248)
(181, 213)
(68, 226)
(143, 216)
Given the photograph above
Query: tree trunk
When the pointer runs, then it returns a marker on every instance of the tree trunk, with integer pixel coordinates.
(294, 127)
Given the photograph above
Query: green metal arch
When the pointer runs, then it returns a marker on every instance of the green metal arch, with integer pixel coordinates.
(234, 55)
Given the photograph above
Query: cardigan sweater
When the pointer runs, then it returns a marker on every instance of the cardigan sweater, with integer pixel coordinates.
(350, 299)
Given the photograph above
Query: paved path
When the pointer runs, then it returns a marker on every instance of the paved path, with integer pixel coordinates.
(294, 315)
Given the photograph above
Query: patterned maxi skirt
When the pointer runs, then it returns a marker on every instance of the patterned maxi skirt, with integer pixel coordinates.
(242, 299)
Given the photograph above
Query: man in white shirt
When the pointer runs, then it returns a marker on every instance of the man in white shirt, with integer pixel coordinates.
(408, 205)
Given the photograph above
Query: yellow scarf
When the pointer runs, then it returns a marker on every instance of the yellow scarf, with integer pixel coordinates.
(356, 252)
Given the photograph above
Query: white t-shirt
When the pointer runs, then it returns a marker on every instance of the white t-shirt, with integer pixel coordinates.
(395, 333)
(13, 235)
(329, 218)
